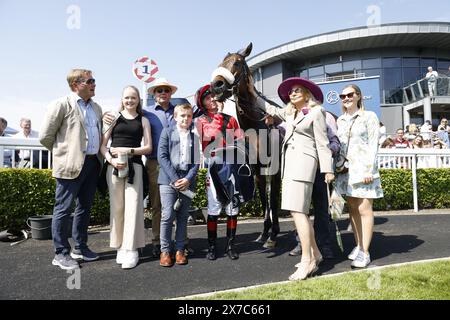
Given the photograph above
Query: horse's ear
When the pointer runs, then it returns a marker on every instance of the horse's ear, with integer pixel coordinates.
(245, 52)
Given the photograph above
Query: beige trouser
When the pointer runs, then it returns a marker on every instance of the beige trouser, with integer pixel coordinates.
(154, 197)
(127, 210)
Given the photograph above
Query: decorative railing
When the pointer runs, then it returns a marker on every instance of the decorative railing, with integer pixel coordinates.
(408, 159)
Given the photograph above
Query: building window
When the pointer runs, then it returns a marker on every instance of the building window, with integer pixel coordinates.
(352, 65)
(371, 72)
(411, 75)
(333, 68)
(411, 62)
(371, 63)
(393, 85)
(316, 71)
(427, 62)
(392, 62)
(443, 66)
(304, 74)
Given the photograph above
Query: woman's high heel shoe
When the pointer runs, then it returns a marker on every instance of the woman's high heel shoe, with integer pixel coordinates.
(318, 259)
(304, 269)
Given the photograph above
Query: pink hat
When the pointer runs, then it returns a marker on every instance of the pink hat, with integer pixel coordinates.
(286, 86)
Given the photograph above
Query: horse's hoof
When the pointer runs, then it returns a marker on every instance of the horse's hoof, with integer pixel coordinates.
(262, 238)
(270, 244)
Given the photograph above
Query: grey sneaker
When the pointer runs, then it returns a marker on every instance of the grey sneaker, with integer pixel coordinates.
(86, 254)
(65, 262)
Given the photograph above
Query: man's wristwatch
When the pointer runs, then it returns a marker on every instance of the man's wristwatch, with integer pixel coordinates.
(132, 151)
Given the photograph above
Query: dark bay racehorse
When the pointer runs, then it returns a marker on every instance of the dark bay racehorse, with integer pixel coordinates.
(238, 83)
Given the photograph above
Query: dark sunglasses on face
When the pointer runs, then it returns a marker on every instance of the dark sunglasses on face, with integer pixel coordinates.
(349, 95)
(166, 90)
(88, 81)
(297, 90)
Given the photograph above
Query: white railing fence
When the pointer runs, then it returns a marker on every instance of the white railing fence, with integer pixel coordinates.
(411, 159)
(40, 157)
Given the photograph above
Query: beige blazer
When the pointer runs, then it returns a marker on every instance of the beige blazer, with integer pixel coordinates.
(307, 137)
(64, 133)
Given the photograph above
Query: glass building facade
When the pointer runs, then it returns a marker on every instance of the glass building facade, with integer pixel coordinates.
(396, 68)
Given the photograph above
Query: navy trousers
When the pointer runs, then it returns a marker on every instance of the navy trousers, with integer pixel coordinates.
(82, 191)
(321, 215)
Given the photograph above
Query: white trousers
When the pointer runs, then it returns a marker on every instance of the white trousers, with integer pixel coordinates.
(126, 210)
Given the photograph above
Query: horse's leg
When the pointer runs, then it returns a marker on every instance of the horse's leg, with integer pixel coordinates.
(261, 184)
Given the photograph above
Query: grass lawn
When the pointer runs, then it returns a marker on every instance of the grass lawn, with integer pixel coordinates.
(430, 280)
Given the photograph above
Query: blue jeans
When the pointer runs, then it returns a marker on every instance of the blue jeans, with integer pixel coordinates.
(321, 215)
(82, 190)
(168, 215)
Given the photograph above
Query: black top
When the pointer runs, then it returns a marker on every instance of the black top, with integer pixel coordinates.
(127, 133)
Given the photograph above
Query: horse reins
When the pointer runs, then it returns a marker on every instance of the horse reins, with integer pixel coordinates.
(234, 91)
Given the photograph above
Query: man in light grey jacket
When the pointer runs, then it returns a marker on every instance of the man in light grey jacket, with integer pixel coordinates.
(72, 131)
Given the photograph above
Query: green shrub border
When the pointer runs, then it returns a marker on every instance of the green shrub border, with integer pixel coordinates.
(30, 192)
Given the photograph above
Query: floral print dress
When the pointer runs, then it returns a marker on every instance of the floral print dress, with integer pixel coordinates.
(359, 134)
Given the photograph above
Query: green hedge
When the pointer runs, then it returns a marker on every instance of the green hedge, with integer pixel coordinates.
(29, 192)
(433, 189)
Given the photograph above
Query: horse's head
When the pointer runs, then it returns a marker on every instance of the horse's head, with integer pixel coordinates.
(230, 72)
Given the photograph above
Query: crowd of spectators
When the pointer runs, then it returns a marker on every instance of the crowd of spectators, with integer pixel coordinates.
(415, 136)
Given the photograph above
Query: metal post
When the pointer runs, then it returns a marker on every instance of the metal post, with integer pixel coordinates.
(2, 150)
(144, 95)
(427, 115)
(414, 181)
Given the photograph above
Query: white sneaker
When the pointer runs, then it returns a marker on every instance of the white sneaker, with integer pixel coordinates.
(120, 256)
(354, 253)
(362, 260)
(131, 259)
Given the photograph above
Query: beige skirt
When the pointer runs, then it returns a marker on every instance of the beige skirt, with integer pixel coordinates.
(296, 195)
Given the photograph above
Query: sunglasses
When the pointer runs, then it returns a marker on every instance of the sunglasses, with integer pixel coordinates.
(297, 90)
(348, 95)
(88, 81)
(165, 90)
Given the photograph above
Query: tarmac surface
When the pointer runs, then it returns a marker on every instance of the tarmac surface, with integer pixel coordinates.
(26, 271)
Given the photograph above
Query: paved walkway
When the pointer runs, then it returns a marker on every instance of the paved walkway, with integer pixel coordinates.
(26, 270)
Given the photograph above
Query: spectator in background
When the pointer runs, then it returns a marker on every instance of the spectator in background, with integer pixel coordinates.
(400, 142)
(443, 131)
(417, 142)
(388, 143)
(443, 126)
(7, 154)
(413, 131)
(426, 129)
(25, 155)
(432, 77)
(3, 126)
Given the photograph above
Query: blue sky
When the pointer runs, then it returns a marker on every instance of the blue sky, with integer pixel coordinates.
(187, 39)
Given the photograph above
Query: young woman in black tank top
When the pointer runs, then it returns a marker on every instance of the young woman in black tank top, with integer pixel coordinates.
(126, 193)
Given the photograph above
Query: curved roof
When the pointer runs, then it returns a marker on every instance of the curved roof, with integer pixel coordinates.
(425, 34)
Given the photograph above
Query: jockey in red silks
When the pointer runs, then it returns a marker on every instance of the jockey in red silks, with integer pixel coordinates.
(218, 131)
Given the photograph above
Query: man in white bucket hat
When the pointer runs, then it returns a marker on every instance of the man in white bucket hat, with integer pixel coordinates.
(162, 83)
(160, 116)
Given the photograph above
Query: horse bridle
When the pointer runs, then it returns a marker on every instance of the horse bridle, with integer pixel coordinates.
(243, 74)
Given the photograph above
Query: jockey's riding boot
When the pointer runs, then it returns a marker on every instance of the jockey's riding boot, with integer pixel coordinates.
(231, 235)
(212, 236)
